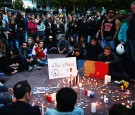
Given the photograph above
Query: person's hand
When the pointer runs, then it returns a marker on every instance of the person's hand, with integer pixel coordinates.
(13, 99)
(107, 62)
(44, 58)
(31, 59)
(10, 90)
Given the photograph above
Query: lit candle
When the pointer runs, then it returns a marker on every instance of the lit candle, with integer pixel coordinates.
(33, 103)
(88, 93)
(101, 92)
(106, 79)
(93, 107)
(122, 88)
(105, 100)
(42, 107)
(109, 78)
(80, 85)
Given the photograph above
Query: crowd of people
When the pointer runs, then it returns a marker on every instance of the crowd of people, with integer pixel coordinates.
(25, 43)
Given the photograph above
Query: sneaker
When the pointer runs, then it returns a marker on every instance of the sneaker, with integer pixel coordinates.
(30, 68)
(37, 67)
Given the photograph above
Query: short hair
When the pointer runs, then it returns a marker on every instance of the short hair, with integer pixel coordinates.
(93, 38)
(66, 99)
(133, 3)
(112, 10)
(108, 48)
(118, 109)
(21, 88)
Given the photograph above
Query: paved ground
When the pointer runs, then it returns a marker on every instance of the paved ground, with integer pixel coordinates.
(38, 78)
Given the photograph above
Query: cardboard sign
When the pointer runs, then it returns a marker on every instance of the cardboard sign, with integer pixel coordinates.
(62, 67)
(93, 68)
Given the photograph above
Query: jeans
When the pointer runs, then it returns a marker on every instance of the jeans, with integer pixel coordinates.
(131, 54)
(42, 62)
(105, 43)
(88, 39)
(13, 44)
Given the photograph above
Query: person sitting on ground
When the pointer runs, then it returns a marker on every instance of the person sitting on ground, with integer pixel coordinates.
(40, 53)
(63, 45)
(26, 57)
(10, 63)
(51, 45)
(66, 100)
(7, 99)
(119, 109)
(93, 49)
(114, 62)
(21, 91)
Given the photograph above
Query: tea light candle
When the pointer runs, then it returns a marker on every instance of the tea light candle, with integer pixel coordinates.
(93, 107)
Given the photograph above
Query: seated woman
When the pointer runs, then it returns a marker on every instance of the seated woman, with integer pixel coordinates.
(66, 100)
(40, 53)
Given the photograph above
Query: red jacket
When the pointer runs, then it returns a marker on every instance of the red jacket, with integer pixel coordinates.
(32, 27)
(39, 54)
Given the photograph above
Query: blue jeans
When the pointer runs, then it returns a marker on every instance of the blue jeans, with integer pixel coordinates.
(13, 44)
(42, 62)
(105, 43)
(88, 39)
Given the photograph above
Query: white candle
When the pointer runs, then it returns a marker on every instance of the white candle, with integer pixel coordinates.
(106, 79)
(80, 84)
(105, 100)
(109, 78)
(93, 107)
(88, 93)
(42, 108)
(33, 103)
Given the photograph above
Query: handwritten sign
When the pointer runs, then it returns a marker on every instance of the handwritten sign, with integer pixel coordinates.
(62, 67)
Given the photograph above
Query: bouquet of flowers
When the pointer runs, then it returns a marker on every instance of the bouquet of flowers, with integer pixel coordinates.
(124, 83)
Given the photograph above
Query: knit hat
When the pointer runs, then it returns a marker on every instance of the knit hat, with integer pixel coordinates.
(123, 11)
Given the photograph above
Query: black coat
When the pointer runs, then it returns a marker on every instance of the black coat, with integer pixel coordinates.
(19, 108)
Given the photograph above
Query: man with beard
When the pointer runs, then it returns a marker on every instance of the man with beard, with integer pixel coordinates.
(109, 30)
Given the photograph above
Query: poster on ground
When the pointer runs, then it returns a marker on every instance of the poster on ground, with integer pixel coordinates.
(93, 68)
(62, 67)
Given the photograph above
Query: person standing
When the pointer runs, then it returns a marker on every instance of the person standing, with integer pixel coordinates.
(131, 41)
(109, 30)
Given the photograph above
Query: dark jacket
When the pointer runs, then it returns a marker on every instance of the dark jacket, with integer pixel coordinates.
(92, 52)
(4, 100)
(19, 108)
(131, 28)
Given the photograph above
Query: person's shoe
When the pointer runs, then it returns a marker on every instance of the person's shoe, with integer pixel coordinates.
(30, 68)
(2, 81)
(37, 67)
